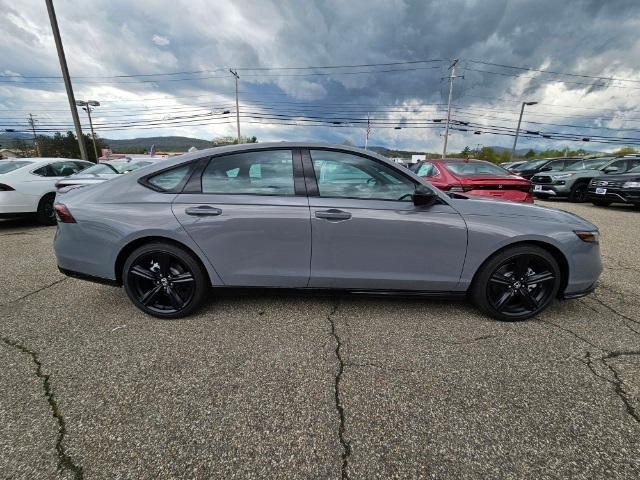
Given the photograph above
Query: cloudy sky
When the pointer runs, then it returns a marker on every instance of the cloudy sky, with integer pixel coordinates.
(162, 68)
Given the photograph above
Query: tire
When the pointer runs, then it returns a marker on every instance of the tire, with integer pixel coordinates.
(46, 215)
(499, 291)
(601, 203)
(165, 280)
(579, 192)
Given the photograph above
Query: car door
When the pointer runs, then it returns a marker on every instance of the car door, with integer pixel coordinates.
(368, 234)
(249, 213)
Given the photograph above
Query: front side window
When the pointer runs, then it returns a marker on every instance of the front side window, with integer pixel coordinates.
(268, 172)
(555, 166)
(344, 175)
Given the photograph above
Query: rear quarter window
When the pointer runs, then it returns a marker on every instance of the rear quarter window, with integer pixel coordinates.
(169, 180)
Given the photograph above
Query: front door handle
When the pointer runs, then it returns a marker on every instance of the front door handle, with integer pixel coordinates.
(333, 214)
(203, 211)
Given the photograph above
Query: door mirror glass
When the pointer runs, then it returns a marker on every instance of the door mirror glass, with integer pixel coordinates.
(609, 170)
(423, 196)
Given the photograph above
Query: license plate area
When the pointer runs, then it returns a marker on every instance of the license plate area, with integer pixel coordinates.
(537, 188)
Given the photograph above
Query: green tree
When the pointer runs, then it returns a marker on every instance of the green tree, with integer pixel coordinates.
(229, 140)
(66, 146)
(466, 153)
(488, 154)
(530, 154)
(625, 151)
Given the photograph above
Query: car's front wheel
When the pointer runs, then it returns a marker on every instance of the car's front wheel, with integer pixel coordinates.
(579, 192)
(164, 280)
(517, 283)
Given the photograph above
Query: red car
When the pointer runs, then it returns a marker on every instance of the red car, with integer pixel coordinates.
(475, 177)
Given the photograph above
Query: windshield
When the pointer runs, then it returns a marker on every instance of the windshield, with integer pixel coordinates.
(635, 169)
(530, 165)
(100, 168)
(589, 164)
(10, 166)
(475, 168)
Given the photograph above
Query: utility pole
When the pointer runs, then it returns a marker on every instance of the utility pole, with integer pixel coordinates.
(366, 138)
(235, 74)
(67, 78)
(86, 106)
(515, 140)
(452, 76)
(32, 122)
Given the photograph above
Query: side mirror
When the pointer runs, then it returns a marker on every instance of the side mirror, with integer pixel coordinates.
(610, 170)
(423, 196)
(546, 169)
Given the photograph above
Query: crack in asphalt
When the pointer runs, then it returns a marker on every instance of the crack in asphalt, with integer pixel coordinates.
(65, 462)
(34, 292)
(617, 382)
(346, 446)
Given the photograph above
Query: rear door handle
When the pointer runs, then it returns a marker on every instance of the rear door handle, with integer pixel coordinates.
(203, 211)
(333, 214)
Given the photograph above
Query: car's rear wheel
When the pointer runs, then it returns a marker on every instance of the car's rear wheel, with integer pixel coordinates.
(579, 192)
(601, 203)
(517, 283)
(46, 215)
(165, 280)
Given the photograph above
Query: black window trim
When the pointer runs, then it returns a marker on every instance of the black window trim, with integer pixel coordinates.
(312, 182)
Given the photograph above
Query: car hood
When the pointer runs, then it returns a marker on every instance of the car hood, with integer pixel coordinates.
(487, 206)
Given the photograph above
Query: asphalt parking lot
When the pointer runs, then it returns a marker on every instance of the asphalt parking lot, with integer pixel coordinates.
(267, 386)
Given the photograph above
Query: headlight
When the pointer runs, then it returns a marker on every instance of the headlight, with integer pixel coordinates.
(631, 185)
(562, 175)
(589, 236)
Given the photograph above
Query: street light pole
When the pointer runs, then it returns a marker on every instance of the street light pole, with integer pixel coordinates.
(452, 76)
(67, 78)
(86, 106)
(515, 140)
(32, 122)
(235, 74)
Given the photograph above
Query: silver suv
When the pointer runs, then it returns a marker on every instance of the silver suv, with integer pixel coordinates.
(573, 183)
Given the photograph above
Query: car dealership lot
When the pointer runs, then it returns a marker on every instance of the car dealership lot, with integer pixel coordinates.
(263, 385)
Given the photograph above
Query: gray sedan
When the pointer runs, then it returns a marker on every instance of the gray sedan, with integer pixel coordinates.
(316, 216)
(100, 172)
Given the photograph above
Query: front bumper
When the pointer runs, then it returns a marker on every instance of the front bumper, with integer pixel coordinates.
(617, 195)
(551, 190)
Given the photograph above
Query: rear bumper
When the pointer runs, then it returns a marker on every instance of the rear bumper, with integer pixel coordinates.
(89, 278)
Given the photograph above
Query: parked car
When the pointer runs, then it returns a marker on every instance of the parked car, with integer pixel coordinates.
(529, 169)
(475, 177)
(100, 172)
(623, 188)
(573, 183)
(27, 185)
(512, 165)
(251, 215)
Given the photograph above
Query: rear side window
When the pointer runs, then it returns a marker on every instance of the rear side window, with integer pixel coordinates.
(267, 172)
(9, 166)
(169, 180)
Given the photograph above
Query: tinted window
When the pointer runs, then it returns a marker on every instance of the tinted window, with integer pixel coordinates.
(475, 168)
(101, 168)
(169, 179)
(555, 165)
(530, 165)
(9, 166)
(267, 172)
(427, 170)
(349, 176)
(589, 164)
(62, 169)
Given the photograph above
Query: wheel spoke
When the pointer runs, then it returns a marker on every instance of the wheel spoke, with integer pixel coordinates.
(143, 273)
(176, 300)
(528, 299)
(184, 277)
(500, 279)
(504, 298)
(150, 295)
(539, 277)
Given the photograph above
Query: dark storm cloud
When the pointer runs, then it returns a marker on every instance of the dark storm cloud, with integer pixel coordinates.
(117, 37)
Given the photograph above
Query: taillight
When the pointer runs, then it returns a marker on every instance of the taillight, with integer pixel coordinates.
(5, 188)
(63, 213)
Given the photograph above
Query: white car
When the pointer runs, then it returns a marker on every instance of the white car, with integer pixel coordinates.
(28, 185)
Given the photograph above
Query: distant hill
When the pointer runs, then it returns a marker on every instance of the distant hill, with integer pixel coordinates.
(170, 144)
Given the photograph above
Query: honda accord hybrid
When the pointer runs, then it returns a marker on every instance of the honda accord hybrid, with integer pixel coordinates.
(321, 217)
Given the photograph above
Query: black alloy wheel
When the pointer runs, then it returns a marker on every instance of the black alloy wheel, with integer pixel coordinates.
(164, 280)
(517, 284)
(579, 193)
(46, 215)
